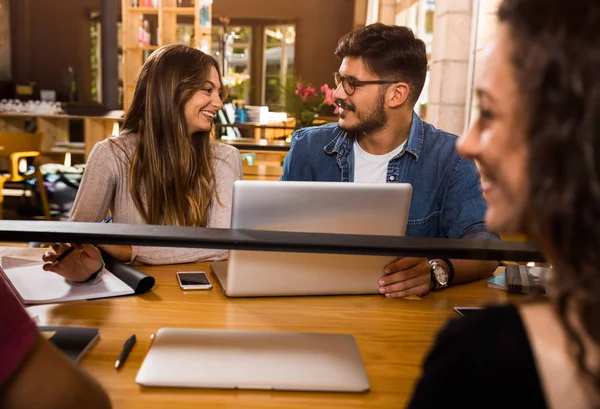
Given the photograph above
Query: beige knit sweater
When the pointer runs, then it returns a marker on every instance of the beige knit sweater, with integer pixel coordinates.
(105, 186)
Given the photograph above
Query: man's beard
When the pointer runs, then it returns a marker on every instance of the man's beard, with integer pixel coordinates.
(369, 120)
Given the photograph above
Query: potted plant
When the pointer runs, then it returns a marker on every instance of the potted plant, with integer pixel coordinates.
(304, 102)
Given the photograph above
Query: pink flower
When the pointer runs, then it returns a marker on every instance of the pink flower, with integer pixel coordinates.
(329, 98)
(305, 92)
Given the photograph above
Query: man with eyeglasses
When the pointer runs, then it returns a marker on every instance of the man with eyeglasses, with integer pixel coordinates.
(380, 139)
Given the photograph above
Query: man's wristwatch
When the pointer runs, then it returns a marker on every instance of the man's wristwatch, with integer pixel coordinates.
(440, 278)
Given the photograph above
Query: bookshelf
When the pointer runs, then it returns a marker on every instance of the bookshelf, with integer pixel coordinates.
(161, 22)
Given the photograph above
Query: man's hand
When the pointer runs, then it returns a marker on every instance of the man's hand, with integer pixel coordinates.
(406, 276)
(78, 266)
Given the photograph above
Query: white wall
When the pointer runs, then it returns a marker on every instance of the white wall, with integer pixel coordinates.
(485, 29)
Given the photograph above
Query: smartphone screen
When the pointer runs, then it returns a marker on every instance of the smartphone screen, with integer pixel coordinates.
(465, 311)
(197, 279)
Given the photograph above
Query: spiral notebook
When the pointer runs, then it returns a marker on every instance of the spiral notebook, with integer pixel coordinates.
(33, 285)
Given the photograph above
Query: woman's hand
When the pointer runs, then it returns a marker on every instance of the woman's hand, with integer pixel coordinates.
(121, 253)
(78, 266)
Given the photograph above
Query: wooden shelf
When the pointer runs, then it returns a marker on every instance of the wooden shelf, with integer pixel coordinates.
(143, 10)
(165, 33)
(182, 11)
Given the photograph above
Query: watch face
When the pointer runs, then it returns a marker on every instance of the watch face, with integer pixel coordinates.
(441, 275)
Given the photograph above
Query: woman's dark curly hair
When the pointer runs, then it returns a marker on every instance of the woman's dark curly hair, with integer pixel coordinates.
(556, 55)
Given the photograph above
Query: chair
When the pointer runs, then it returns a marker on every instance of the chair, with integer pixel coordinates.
(15, 147)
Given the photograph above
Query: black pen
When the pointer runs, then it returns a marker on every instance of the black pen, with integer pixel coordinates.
(127, 347)
(68, 251)
(63, 255)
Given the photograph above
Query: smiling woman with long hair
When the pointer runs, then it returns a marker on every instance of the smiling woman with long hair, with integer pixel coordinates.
(537, 142)
(163, 168)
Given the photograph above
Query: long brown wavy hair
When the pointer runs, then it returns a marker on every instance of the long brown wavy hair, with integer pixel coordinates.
(557, 59)
(171, 176)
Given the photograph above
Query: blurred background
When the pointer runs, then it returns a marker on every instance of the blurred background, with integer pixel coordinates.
(68, 71)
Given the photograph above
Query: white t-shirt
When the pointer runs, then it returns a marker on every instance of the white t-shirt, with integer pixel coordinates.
(370, 168)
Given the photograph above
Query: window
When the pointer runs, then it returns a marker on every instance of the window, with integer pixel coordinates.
(231, 47)
(96, 59)
(279, 61)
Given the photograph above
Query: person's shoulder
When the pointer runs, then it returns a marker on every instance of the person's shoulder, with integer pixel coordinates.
(224, 151)
(493, 337)
(226, 159)
(321, 134)
(440, 145)
(313, 139)
(488, 347)
(117, 145)
(433, 135)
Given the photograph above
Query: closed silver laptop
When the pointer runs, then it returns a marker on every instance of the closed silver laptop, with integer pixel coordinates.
(237, 359)
(318, 207)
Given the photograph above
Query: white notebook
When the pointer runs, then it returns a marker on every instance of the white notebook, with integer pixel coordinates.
(36, 286)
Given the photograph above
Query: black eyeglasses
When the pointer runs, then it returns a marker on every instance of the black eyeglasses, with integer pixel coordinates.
(350, 83)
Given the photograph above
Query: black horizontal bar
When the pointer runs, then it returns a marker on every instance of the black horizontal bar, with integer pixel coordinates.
(239, 239)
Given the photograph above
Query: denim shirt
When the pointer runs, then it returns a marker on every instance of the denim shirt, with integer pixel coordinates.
(446, 200)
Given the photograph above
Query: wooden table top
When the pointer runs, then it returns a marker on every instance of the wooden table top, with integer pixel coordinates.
(258, 145)
(393, 336)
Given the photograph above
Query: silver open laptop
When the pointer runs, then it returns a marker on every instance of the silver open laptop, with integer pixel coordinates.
(319, 207)
(232, 359)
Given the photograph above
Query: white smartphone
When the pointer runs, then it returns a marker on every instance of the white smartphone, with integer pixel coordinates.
(193, 280)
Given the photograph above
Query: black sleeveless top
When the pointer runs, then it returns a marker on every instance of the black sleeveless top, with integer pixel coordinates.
(481, 361)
